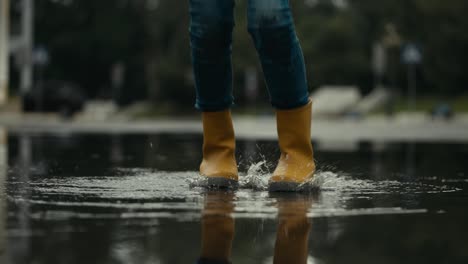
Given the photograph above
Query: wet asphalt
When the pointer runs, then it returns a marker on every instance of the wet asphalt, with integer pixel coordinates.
(110, 198)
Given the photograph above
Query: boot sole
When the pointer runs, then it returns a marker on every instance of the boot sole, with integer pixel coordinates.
(219, 183)
(283, 187)
(292, 187)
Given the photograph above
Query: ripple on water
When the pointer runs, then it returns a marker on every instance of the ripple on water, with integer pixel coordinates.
(142, 193)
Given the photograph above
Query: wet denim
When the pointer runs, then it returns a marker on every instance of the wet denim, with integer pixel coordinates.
(271, 27)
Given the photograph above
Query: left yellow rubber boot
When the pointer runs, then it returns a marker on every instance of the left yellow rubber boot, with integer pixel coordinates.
(219, 166)
(296, 164)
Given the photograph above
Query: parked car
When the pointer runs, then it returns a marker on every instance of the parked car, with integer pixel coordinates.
(442, 111)
(55, 96)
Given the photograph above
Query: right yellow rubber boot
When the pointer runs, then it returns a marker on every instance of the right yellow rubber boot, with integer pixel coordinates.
(219, 164)
(296, 165)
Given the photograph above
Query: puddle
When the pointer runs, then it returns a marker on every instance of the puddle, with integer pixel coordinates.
(127, 199)
(142, 193)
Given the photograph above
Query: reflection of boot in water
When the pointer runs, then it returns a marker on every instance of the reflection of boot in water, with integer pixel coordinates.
(293, 230)
(217, 228)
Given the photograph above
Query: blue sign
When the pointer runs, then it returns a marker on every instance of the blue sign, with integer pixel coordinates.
(411, 54)
(41, 56)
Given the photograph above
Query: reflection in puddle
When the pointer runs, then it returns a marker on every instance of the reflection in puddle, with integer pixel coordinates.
(141, 193)
(218, 228)
(127, 199)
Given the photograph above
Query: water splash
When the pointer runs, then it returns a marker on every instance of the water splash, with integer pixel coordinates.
(329, 181)
(256, 177)
(143, 193)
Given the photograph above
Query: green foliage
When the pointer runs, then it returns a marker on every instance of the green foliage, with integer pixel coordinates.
(333, 49)
(87, 37)
(439, 27)
(445, 39)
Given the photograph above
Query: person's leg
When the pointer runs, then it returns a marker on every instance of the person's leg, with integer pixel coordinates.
(272, 28)
(211, 27)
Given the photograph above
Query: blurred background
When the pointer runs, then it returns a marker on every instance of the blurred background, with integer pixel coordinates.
(99, 135)
(131, 58)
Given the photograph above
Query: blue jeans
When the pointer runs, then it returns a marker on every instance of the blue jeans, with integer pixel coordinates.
(271, 27)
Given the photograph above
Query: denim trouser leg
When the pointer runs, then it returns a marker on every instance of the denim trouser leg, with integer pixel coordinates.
(272, 28)
(211, 26)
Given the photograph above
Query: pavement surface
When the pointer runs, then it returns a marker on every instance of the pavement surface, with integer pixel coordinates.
(402, 128)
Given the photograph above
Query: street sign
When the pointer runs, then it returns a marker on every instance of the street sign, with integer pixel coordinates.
(41, 56)
(411, 54)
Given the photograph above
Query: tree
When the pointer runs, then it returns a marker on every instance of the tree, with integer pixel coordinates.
(151, 38)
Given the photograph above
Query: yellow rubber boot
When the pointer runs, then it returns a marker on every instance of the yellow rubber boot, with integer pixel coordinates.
(296, 164)
(219, 164)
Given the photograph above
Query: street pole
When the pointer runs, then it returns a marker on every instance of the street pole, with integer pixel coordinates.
(411, 87)
(379, 63)
(411, 57)
(3, 200)
(4, 50)
(27, 31)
